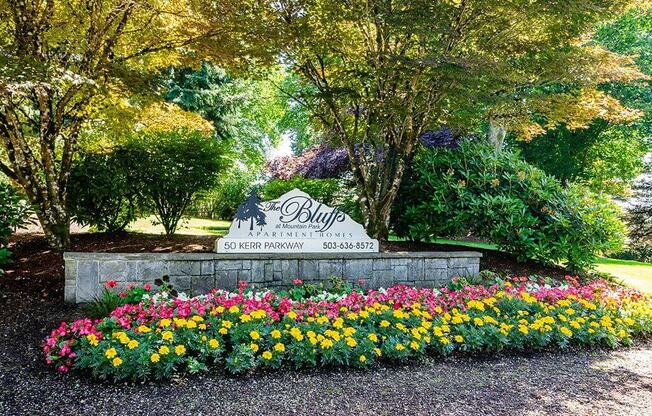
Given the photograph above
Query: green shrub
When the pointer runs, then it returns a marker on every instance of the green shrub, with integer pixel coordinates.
(172, 167)
(473, 189)
(14, 212)
(104, 190)
(323, 190)
(222, 200)
(638, 252)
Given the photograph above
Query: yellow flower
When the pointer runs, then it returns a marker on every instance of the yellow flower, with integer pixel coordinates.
(155, 358)
(132, 344)
(351, 342)
(348, 331)
(197, 318)
(478, 321)
(179, 350)
(459, 339)
(444, 340)
(167, 336)
(362, 358)
(564, 330)
(523, 329)
(223, 331)
(202, 327)
(234, 309)
(165, 323)
(124, 339)
(279, 347)
(245, 318)
(164, 350)
(326, 343)
(276, 334)
(110, 353)
(291, 315)
(267, 355)
(338, 323)
(117, 361)
(378, 352)
(414, 345)
(399, 347)
(143, 329)
(227, 324)
(254, 335)
(92, 339)
(213, 343)
(191, 324)
(373, 337)
(254, 347)
(384, 323)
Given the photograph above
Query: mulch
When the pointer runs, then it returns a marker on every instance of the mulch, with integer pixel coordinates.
(583, 382)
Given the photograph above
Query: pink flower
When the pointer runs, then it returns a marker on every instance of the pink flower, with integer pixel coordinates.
(111, 284)
(147, 287)
(297, 282)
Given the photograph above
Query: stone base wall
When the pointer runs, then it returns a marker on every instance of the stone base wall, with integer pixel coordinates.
(197, 273)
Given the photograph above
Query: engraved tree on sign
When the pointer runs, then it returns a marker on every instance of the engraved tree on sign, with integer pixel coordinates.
(251, 211)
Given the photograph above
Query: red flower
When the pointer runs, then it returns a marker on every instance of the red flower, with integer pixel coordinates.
(147, 287)
(111, 284)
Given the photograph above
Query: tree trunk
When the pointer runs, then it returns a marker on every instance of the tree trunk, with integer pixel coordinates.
(55, 227)
(496, 135)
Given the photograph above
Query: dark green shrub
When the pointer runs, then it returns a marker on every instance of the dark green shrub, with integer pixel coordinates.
(639, 252)
(172, 167)
(325, 191)
(222, 200)
(495, 195)
(104, 190)
(14, 212)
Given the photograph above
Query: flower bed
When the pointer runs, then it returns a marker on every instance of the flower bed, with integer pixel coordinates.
(241, 331)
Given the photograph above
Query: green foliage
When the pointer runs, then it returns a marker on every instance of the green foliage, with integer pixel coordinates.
(496, 195)
(14, 211)
(222, 200)
(248, 114)
(639, 252)
(104, 190)
(604, 157)
(323, 190)
(172, 167)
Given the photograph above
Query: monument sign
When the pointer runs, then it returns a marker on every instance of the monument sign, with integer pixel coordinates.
(294, 223)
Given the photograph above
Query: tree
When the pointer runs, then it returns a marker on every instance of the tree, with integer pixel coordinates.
(379, 73)
(606, 156)
(172, 167)
(63, 62)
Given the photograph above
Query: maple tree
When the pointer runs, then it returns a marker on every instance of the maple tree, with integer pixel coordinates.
(70, 67)
(379, 73)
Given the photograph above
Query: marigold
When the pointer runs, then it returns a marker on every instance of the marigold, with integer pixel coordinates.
(276, 334)
(279, 347)
(117, 361)
(362, 358)
(254, 335)
(179, 350)
(164, 350)
(267, 355)
(132, 344)
(213, 343)
(110, 353)
(155, 358)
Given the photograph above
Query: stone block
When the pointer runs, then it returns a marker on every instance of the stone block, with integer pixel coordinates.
(202, 285)
(88, 286)
(185, 268)
(226, 279)
(148, 271)
(119, 270)
(70, 293)
(358, 269)
(207, 267)
(330, 268)
(71, 272)
(431, 264)
(228, 265)
(435, 275)
(382, 264)
(181, 283)
(415, 269)
(308, 269)
(400, 272)
(458, 262)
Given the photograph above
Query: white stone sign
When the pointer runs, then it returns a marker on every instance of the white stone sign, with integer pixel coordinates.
(294, 223)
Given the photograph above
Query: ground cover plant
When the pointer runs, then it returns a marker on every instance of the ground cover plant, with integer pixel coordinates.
(241, 331)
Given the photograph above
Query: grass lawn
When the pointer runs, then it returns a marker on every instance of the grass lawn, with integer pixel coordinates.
(188, 226)
(633, 273)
